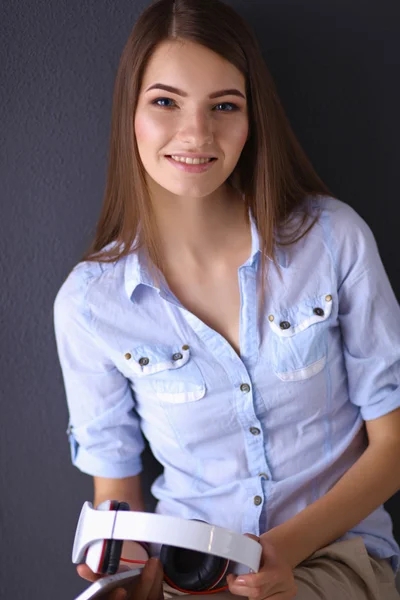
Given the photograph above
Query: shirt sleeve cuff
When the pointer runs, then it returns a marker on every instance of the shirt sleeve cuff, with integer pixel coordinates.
(374, 411)
(98, 467)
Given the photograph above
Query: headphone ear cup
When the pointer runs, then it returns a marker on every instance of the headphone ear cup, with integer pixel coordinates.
(213, 570)
(115, 548)
(98, 553)
(192, 571)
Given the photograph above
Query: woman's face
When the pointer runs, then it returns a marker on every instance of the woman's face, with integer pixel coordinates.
(206, 114)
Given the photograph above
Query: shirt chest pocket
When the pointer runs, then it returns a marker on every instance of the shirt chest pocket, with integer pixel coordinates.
(167, 372)
(299, 338)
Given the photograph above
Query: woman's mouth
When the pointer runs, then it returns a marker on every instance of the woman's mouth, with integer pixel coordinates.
(191, 165)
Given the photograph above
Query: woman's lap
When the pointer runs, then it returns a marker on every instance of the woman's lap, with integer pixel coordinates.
(345, 571)
(341, 571)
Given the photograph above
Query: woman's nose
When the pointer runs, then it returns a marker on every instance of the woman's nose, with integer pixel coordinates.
(196, 129)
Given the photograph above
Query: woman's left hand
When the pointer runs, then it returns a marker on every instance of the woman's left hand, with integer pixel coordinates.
(274, 579)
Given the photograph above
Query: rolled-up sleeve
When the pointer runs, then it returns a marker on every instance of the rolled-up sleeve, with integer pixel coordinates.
(104, 429)
(369, 316)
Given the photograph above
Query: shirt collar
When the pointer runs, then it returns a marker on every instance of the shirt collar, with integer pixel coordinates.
(137, 272)
(255, 246)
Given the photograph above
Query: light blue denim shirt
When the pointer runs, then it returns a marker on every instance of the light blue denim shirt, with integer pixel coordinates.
(246, 442)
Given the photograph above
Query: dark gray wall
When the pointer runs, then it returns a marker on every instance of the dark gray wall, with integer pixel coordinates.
(336, 65)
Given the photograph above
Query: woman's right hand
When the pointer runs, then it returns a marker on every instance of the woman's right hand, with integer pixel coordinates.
(148, 586)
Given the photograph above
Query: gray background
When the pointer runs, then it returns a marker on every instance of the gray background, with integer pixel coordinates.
(336, 66)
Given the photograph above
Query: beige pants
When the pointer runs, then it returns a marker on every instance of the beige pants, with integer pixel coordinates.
(340, 571)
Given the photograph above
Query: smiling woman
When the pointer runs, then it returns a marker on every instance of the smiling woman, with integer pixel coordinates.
(188, 50)
(189, 126)
(215, 314)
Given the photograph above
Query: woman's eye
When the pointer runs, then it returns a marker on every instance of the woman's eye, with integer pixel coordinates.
(232, 107)
(157, 100)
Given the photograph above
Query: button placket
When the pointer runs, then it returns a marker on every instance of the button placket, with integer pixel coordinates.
(256, 444)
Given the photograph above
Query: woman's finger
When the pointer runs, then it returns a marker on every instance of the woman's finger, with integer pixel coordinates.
(156, 592)
(86, 573)
(149, 579)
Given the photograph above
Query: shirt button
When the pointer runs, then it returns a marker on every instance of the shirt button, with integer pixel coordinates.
(128, 356)
(328, 298)
(257, 500)
(265, 475)
(177, 356)
(245, 388)
(319, 311)
(255, 430)
(284, 325)
(185, 347)
(144, 361)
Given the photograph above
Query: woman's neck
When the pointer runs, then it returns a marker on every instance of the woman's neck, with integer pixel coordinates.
(198, 232)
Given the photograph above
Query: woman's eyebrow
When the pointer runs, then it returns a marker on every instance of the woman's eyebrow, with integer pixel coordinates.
(174, 90)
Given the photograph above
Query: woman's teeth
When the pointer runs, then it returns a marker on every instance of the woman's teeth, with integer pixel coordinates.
(192, 161)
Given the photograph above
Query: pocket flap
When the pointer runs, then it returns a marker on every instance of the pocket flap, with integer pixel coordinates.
(147, 360)
(289, 322)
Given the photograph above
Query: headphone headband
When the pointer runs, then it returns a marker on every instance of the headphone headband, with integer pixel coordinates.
(94, 525)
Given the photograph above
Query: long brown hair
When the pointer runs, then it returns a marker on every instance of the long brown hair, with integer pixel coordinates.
(273, 172)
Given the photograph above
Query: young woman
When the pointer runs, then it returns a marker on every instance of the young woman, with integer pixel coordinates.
(238, 316)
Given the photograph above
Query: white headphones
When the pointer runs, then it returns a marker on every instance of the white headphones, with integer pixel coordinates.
(194, 554)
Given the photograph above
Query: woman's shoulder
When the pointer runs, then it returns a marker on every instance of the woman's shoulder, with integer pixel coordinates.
(337, 223)
(86, 276)
(344, 233)
(341, 216)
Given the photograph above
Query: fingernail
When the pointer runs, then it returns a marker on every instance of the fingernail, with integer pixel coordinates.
(240, 581)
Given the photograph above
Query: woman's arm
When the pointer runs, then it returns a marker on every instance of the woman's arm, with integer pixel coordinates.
(127, 489)
(372, 480)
